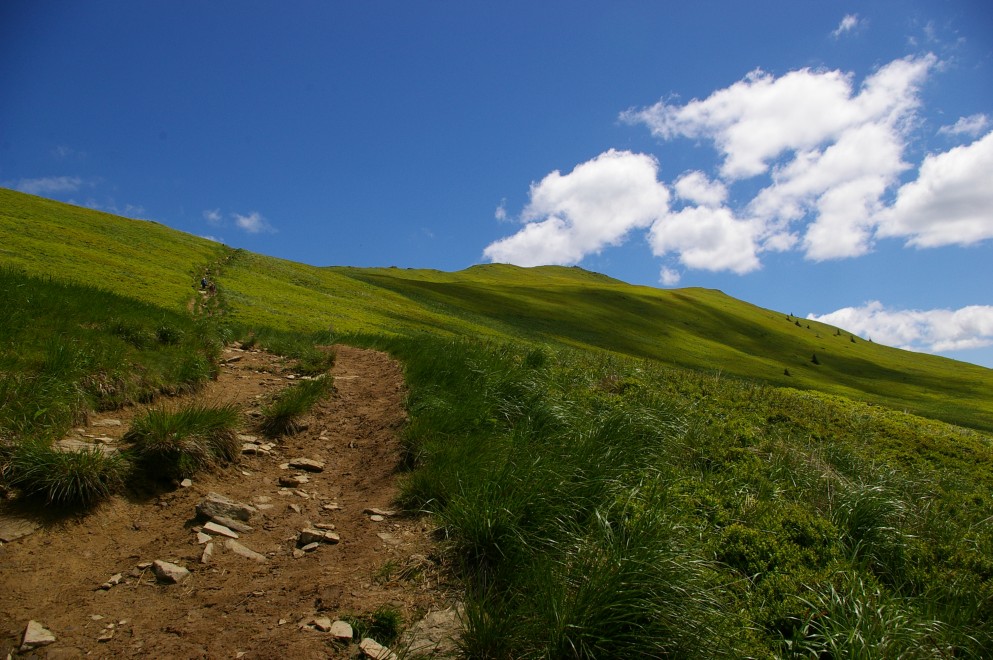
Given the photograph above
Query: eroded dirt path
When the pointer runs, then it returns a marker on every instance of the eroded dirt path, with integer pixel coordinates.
(233, 606)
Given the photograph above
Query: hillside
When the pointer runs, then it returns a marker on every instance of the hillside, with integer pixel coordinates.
(600, 470)
(692, 328)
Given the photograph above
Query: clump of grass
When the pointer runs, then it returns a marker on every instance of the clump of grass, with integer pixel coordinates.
(384, 624)
(177, 444)
(65, 478)
(858, 619)
(283, 413)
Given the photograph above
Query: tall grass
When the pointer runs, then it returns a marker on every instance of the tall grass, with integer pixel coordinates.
(175, 444)
(65, 478)
(602, 507)
(282, 414)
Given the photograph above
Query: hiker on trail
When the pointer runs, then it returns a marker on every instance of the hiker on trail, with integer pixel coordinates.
(203, 283)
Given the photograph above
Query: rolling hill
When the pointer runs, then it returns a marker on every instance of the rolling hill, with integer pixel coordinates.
(691, 328)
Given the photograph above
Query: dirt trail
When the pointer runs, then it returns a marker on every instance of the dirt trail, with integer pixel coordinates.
(234, 606)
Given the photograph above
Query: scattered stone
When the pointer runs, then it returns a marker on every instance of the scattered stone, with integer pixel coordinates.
(185, 483)
(322, 623)
(327, 526)
(233, 358)
(203, 538)
(388, 538)
(301, 493)
(96, 617)
(332, 506)
(242, 551)
(208, 553)
(373, 649)
(107, 635)
(36, 635)
(218, 505)
(293, 480)
(247, 438)
(114, 580)
(251, 449)
(297, 553)
(295, 508)
(220, 530)
(311, 535)
(106, 422)
(386, 513)
(311, 547)
(376, 518)
(231, 523)
(436, 635)
(284, 466)
(342, 631)
(168, 572)
(144, 566)
(307, 464)
(12, 528)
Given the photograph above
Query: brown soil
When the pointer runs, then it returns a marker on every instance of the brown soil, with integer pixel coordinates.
(233, 606)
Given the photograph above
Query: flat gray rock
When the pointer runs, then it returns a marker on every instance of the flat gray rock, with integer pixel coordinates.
(36, 635)
(215, 504)
(372, 649)
(307, 464)
(168, 572)
(342, 630)
(220, 530)
(12, 528)
(242, 551)
(311, 535)
(231, 523)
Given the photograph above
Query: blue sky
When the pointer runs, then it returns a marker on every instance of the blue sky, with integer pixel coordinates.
(822, 158)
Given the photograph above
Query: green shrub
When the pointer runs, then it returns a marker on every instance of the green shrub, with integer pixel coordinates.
(282, 414)
(177, 444)
(65, 478)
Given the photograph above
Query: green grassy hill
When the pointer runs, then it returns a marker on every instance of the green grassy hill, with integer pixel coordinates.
(620, 471)
(692, 328)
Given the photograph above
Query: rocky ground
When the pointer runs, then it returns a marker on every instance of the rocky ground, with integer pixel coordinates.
(321, 542)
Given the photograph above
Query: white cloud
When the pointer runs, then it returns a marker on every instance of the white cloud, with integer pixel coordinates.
(48, 185)
(950, 202)
(213, 216)
(696, 187)
(937, 330)
(253, 223)
(669, 277)
(825, 155)
(972, 126)
(848, 23)
(501, 211)
(594, 206)
(706, 239)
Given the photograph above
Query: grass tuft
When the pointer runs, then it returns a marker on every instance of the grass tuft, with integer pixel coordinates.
(282, 414)
(66, 478)
(177, 444)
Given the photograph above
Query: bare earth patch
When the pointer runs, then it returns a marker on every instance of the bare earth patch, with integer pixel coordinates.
(232, 605)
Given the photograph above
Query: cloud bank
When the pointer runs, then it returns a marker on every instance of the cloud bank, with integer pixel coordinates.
(822, 162)
(928, 331)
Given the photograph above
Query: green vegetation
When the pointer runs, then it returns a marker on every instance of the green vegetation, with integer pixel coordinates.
(65, 478)
(177, 444)
(282, 414)
(620, 471)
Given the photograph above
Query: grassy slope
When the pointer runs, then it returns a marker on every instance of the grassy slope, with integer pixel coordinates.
(693, 328)
(136, 258)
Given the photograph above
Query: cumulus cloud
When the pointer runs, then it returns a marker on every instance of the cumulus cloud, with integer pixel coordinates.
(570, 216)
(706, 239)
(949, 203)
(48, 185)
(972, 126)
(820, 159)
(253, 223)
(937, 330)
(669, 276)
(849, 23)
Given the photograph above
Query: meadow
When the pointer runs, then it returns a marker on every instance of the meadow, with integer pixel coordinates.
(619, 471)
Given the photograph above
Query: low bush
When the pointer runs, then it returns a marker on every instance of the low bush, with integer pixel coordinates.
(282, 414)
(65, 478)
(177, 444)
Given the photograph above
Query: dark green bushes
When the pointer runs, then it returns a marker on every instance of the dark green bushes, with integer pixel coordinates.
(282, 414)
(177, 444)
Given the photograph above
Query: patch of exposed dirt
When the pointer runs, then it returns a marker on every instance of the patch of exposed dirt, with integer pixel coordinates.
(232, 606)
